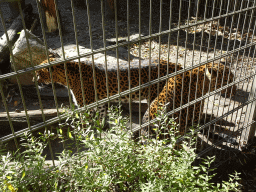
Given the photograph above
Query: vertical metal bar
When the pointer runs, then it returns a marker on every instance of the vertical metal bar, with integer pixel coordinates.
(30, 57)
(202, 37)
(236, 69)
(250, 23)
(159, 39)
(15, 69)
(177, 58)
(168, 48)
(237, 57)
(149, 68)
(214, 52)
(140, 63)
(63, 51)
(183, 76)
(232, 21)
(63, 54)
(208, 46)
(248, 133)
(93, 64)
(41, 105)
(105, 52)
(77, 47)
(79, 61)
(193, 54)
(91, 45)
(159, 48)
(8, 113)
(47, 55)
(252, 87)
(238, 52)
(196, 3)
(129, 63)
(1, 86)
(238, 23)
(117, 53)
(190, 76)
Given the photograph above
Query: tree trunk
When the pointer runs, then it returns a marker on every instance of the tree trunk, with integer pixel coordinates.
(50, 15)
(13, 36)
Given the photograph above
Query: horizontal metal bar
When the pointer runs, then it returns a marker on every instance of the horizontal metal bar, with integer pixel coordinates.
(225, 115)
(4, 1)
(219, 141)
(103, 101)
(217, 119)
(5, 76)
(195, 101)
(31, 69)
(102, 50)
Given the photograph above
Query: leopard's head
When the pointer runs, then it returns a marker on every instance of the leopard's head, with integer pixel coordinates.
(43, 76)
(220, 75)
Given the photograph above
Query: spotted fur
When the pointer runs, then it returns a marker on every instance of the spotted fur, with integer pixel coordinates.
(201, 80)
(43, 76)
(188, 86)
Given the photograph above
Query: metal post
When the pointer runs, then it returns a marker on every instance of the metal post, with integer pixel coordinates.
(249, 132)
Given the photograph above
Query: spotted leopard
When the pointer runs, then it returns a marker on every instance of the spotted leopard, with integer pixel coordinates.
(58, 75)
(175, 91)
(186, 87)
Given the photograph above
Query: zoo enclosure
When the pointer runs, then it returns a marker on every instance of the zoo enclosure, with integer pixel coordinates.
(209, 30)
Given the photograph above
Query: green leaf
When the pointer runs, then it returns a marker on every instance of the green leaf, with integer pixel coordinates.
(23, 174)
(70, 135)
(10, 187)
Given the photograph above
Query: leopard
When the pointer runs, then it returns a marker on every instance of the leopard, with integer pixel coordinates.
(175, 92)
(187, 87)
(136, 77)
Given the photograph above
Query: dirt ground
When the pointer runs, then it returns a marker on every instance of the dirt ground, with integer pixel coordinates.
(187, 46)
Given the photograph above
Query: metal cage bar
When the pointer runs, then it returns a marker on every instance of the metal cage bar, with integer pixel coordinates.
(237, 15)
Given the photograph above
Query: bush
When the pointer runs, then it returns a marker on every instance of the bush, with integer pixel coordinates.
(108, 161)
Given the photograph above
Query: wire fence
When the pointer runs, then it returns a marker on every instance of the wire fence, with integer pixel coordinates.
(133, 45)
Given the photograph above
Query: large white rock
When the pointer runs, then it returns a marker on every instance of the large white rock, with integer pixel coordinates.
(22, 57)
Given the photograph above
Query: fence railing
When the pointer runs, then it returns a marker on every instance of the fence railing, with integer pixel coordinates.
(174, 35)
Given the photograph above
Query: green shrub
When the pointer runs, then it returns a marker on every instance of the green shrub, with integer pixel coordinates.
(108, 161)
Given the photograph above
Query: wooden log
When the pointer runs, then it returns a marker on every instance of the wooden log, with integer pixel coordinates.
(50, 15)
(13, 36)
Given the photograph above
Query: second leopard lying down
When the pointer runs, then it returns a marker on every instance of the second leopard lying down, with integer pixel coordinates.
(201, 80)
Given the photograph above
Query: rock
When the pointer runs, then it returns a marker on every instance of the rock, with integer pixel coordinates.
(22, 57)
